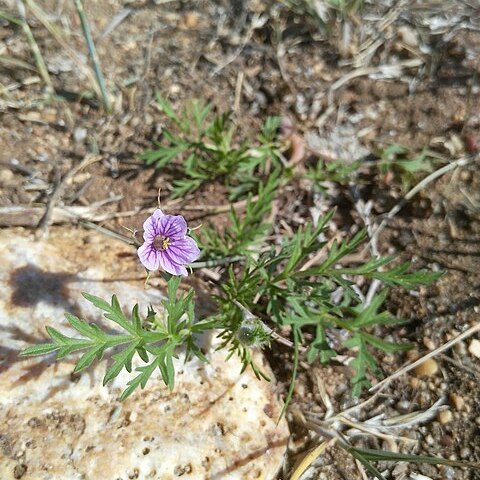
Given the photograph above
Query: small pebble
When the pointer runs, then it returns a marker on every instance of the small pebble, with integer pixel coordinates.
(460, 348)
(429, 343)
(6, 177)
(471, 143)
(446, 440)
(50, 115)
(403, 406)
(79, 135)
(175, 89)
(148, 119)
(474, 348)
(412, 355)
(444, 416)
(400, 470)
(465, 452)
(457, 401)
(136, 121)
(428, 368)
(466, 175)
(189, 21)
(449, 473)
(414, 382)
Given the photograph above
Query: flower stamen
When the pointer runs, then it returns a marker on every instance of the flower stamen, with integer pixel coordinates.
(161, 243)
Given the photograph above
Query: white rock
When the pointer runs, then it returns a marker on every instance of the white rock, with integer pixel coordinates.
(80, 134)
(474, 348)
(215, 424)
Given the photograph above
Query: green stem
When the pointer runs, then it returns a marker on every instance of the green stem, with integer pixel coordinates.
(153, 337)
(93, 55)
(114, 340)
(217, 262)
(39, 62)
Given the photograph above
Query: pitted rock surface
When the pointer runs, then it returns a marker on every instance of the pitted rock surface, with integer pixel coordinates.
(216, 424)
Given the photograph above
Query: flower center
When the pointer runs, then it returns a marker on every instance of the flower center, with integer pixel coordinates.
(161, 242)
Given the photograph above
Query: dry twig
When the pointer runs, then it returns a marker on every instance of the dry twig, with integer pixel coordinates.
(44, 221)
(26, 216)
(442, 348)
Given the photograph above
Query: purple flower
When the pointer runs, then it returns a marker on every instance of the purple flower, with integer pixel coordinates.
(166, 244)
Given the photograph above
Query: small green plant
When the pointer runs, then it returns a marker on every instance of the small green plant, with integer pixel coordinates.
(154, 339)
(245, 231)
(204, 148)
(405, 164)
(367, 455)
(281, 289)
(337, 171)
(273, 289)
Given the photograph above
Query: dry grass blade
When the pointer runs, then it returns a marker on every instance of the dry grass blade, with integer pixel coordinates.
(369, 429)
(310, 458)
(16, 63)
(410, 419)
(58, 36)
(121, 16)
(392, 71)
(39, 62)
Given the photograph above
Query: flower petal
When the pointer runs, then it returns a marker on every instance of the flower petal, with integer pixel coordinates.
(150, 228)
(171, 267)
(149, 256)
(173, 226)
(158, 213)
(183, 251)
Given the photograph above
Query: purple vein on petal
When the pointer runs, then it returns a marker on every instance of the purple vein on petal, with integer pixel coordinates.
(173, 226)
(184, 251)
(170, 266)
(150, 228)
(149, 256)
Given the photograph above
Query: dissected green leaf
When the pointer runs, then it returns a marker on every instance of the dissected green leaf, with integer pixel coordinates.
(41, 349)
(362, 363)
(136, 338)
(141, 379)
(205, 150)
(121, 360)
(88, 357)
